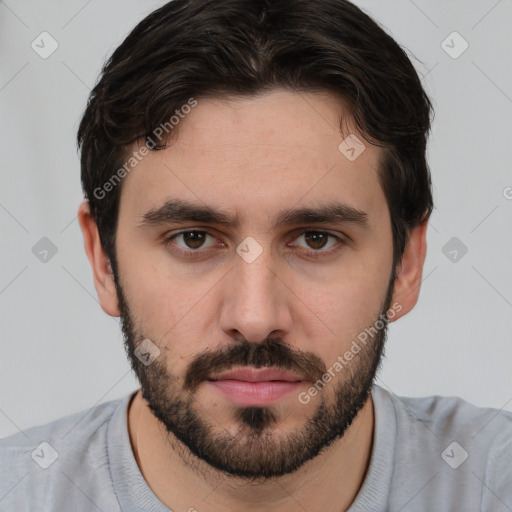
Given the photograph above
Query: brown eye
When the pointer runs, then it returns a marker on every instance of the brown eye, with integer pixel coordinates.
(319, 242)
(194, 239)
(190, 241)
(316, 239)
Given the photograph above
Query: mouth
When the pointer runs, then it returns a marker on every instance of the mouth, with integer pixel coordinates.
(255, 387)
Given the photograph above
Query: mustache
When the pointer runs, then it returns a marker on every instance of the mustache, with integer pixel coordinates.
(271, 353)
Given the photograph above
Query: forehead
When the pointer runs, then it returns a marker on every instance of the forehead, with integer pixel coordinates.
(258, 155)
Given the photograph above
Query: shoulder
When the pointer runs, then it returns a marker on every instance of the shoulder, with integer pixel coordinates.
(457, 448)
(57, 461)
(63, 432)
(447, 416)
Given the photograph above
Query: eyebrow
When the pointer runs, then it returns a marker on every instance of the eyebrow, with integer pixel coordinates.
(179, 210)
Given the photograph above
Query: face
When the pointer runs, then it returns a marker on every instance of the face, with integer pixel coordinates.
(252, 254)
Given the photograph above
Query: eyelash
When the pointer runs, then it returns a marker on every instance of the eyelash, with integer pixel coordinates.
(310, 252)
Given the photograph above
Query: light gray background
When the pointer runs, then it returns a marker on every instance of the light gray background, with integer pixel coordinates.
(61, 353)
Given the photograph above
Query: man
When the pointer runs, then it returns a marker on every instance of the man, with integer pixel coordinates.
(257, 198)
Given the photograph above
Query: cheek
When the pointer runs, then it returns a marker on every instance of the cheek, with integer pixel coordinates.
(344, 305)
(170, 310)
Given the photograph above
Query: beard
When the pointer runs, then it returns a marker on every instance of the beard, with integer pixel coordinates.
(257, 450)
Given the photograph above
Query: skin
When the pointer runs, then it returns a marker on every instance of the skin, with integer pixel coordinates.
(255, 157)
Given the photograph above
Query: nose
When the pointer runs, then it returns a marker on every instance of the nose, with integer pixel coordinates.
(256, 302)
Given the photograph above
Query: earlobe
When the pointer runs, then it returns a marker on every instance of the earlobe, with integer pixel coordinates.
(100, 263)
(407, 285)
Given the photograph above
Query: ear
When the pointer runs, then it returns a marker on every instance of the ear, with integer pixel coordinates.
(407, 285)
(102, 273)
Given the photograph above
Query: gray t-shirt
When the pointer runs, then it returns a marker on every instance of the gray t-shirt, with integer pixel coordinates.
(431, 454)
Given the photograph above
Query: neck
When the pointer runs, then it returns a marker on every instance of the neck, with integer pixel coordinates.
(328, 483)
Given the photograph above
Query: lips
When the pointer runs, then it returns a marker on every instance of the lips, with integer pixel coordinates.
(261, 387)
(257, 375)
